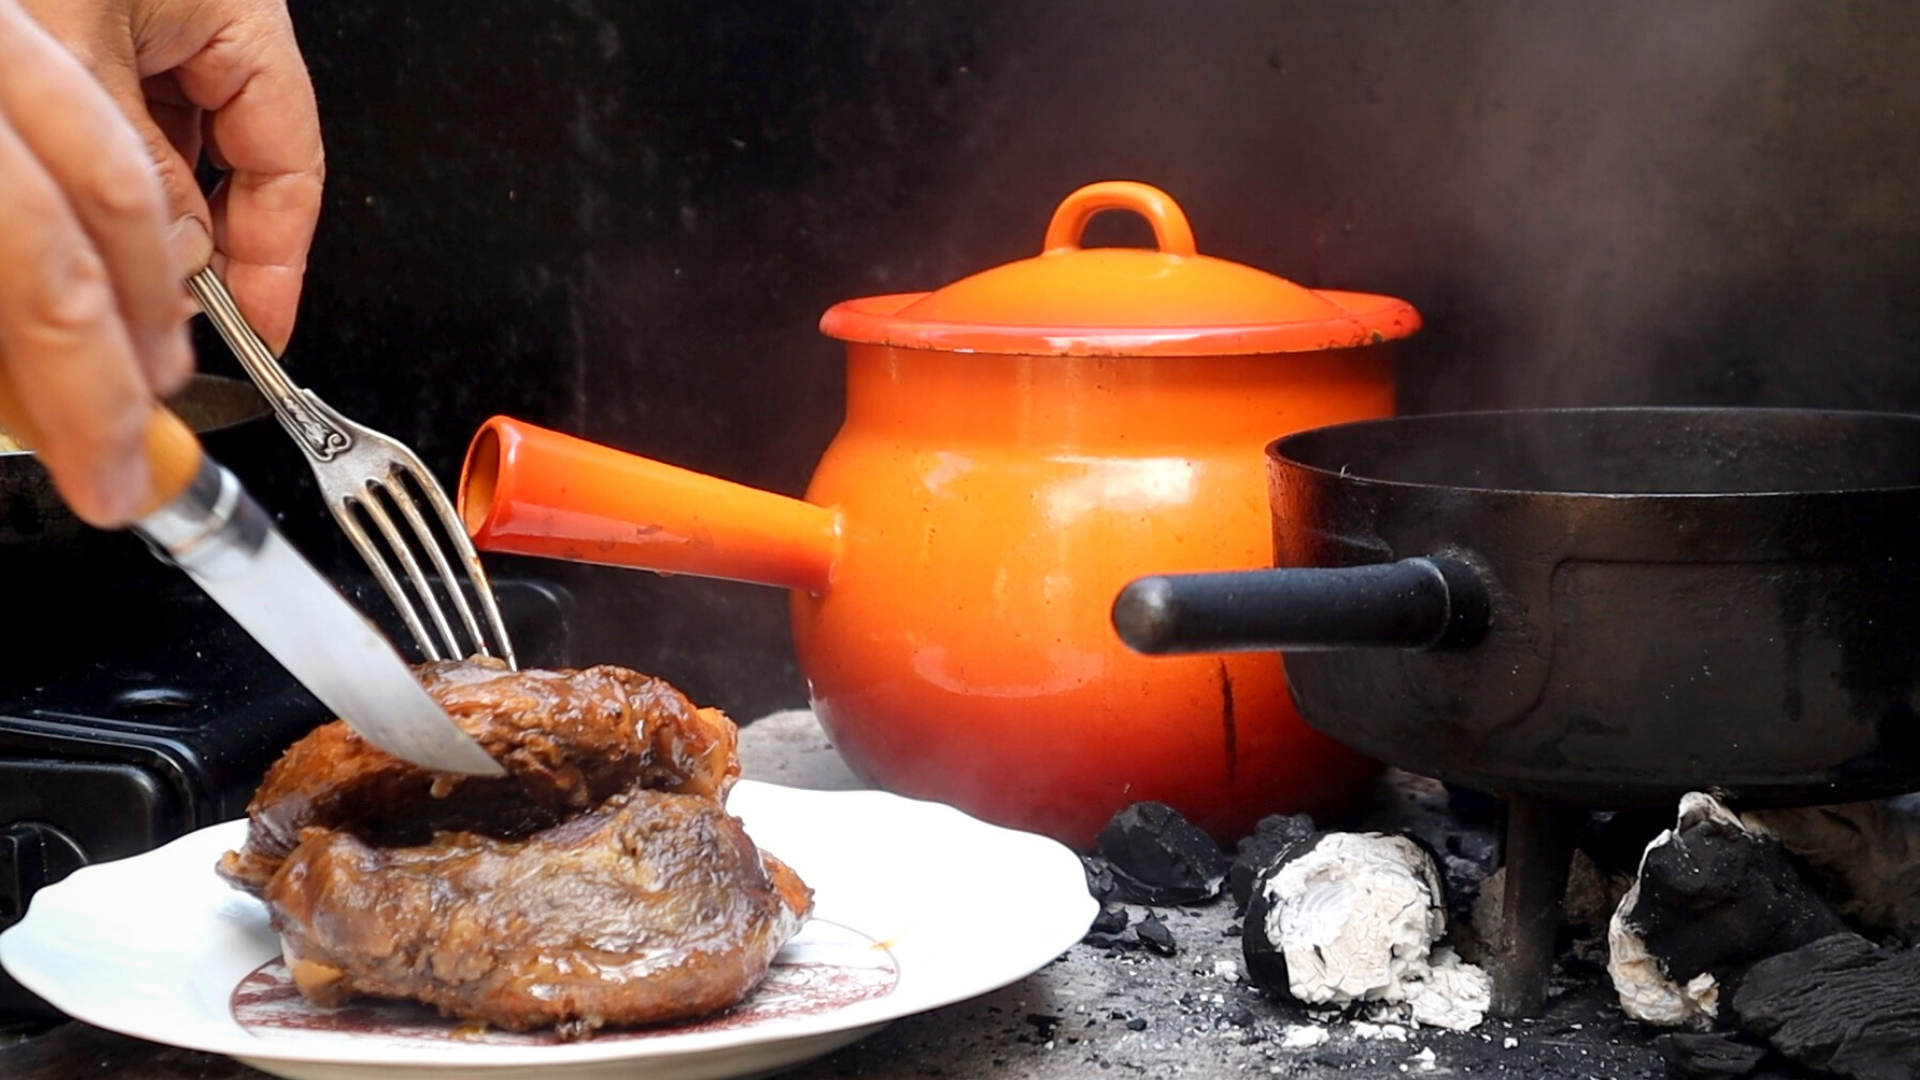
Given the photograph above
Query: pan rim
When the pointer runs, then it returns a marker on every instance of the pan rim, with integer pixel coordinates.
(1281, 451)
(238, 386)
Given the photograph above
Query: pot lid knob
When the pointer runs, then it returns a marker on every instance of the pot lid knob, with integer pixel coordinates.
(1171, 233)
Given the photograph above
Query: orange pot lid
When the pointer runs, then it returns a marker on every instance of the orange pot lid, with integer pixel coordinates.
(1075, 301)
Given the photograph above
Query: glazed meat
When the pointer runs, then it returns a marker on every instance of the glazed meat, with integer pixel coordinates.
(656, 907)
(569, 740)
(602, 881)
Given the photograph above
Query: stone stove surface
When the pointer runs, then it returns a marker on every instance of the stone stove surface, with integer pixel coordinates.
(1093, 1013)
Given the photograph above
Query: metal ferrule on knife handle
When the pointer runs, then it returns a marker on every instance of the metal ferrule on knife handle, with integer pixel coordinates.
(213, 528)
(222, 539)
(199, 518)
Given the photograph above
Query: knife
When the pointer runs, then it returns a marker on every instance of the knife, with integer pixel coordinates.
(204, 522)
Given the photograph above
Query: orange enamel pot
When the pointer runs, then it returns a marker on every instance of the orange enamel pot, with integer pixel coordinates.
(1017, 447)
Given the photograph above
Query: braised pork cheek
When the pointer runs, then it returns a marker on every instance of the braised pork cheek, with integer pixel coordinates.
(657, 907)
(569, 740)
(602, 881)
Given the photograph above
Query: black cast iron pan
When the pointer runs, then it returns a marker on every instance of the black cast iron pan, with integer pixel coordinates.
(1578, 609)
(1603, 607)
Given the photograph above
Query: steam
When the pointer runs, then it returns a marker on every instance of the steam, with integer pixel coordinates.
(1602, 149)
(1592, 203)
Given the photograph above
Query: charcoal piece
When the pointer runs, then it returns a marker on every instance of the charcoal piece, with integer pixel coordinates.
(1719, 1055)
(1044, 1023)
(1154, 935)
(1254, 853)
(1592, 896)
(1466, 860)
(1266, 961)
(1259, 945)
(1712, 899)
(1159, 857)
(1111, 920)
(1100, 883)
(1615, 840)
(1841, 1005)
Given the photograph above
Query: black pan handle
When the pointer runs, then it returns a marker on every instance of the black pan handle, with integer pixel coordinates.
(1418, 603)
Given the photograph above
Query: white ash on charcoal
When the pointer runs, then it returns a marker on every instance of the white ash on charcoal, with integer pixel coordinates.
(1840, 1005)
(1865, 856)
(1354, 919)
(1713, 897)
(1157, 856)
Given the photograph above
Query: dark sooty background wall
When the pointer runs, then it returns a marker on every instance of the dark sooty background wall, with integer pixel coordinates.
(624, 219)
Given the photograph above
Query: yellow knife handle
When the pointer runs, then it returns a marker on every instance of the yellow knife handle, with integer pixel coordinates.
(172, 449)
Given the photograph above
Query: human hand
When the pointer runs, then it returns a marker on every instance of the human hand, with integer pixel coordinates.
(97, 230)
(92, 318)
(224, 77)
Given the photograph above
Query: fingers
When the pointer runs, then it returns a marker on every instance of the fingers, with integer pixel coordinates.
(227, 74)
(170, 126)
(82, 139)
(89, 284)
(166, 122)
(262, 124)
(98, 33)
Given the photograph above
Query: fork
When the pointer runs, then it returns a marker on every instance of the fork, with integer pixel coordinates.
(363, 473)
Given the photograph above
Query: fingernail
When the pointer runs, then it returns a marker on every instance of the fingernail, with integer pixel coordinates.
(191, 245)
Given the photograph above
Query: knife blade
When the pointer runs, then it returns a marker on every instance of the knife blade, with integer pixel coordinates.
(204, 522)
(215, 532)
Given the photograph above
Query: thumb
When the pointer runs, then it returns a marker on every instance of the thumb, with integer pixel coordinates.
(171, 146)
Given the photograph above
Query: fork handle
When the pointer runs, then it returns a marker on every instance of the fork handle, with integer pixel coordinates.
(312, 424)
(172, 449)
(211, 294)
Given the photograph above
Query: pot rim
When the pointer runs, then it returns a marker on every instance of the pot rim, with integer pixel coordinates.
(1367, 319)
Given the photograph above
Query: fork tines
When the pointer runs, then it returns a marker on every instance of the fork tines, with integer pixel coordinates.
(393, 505)
(365, 474)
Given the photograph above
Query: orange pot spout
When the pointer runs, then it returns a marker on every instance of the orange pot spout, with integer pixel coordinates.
(525, 490)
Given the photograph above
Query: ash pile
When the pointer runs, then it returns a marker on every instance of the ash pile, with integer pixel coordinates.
(1769, 944)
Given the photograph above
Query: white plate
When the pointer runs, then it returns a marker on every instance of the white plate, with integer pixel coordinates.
(916, 906)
